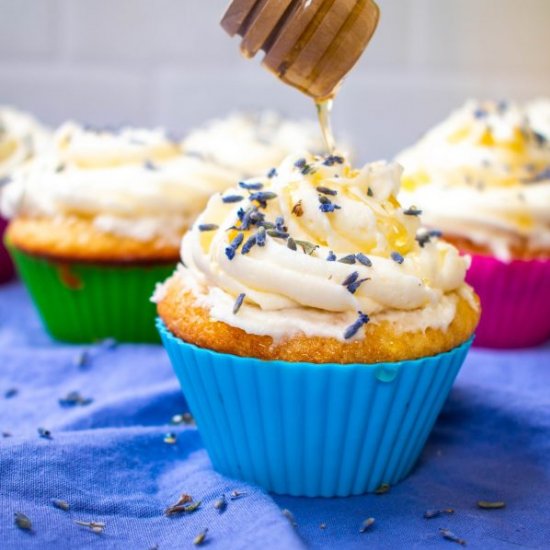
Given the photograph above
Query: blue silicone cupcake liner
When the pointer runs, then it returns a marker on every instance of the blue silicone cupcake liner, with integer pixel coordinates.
(307, 429)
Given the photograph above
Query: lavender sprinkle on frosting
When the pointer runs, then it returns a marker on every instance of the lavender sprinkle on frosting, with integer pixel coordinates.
(351, 331)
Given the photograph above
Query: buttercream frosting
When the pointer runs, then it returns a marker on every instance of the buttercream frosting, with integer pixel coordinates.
(138, 182)
(484, 174)
(21, 138)
(315, 244)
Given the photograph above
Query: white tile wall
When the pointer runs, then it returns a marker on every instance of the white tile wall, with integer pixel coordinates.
(168, 62)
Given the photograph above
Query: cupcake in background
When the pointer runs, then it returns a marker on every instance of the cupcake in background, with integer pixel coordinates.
(314, 332)
(21, 139)
(482, 177)
(248, 143)
(97, 221)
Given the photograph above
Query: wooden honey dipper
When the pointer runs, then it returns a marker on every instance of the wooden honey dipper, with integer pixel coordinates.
(309, 44)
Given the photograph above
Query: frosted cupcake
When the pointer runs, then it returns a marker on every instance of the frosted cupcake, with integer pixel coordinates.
(482, 178)
(96, 222)
(315, 334)
(21, 139)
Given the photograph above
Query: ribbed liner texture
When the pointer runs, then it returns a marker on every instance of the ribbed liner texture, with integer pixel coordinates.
(86, 302)
(312, 429)
(6, 265)
(515, 301)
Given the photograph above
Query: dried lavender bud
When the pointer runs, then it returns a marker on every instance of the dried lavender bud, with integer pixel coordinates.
(149, 165)
(220, 504)
(326, 206)
(208, 227)
(170, 438)
(351, 331)
(12, 392)
(351, 278)
(307, 247)
(94, 526)
(449, 535)
(188, 418)
(44, 433)
(352, 287)
(61, 504)
(262, 197)
(22, 521)
(291, 243)
(272, 173)
(200, 538)
(396, 257)
(260, 236)
(235, 494)
(412, 211)
(349, 259)
(232, 198)
(362, 259)
(290, 516)
(238, 303)
(326, 190)
(82, 359)
(250, 186)
(231, 250)
(430, 514)
(184, 505)
(488, 505)
(425, 237)
(330, 160)
(366, 525)
(331, 257)
(276, 234)
(74, 398)
(247, 246)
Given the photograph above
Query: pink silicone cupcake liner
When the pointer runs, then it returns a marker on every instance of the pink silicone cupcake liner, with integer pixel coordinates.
(515, 301)
(6, 265)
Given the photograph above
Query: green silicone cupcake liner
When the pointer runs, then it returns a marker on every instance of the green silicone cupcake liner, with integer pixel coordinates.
(87, 302)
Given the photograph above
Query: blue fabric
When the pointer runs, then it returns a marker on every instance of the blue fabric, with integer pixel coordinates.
(109, 461)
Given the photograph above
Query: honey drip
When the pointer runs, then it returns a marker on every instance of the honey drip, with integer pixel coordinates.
(324, 109)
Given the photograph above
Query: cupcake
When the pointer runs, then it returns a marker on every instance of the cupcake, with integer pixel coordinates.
(21, 139)
(97, 221)
(315, 332)
(482, 178)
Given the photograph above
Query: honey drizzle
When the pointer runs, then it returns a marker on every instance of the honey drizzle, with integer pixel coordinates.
(324, 109)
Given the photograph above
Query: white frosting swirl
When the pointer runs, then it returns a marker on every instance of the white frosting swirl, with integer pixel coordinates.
(484, 174)
(21, 138)
(140, 183)
(330, 211)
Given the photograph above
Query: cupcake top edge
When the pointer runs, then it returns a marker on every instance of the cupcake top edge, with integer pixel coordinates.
(319, 247)
(484, 174)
